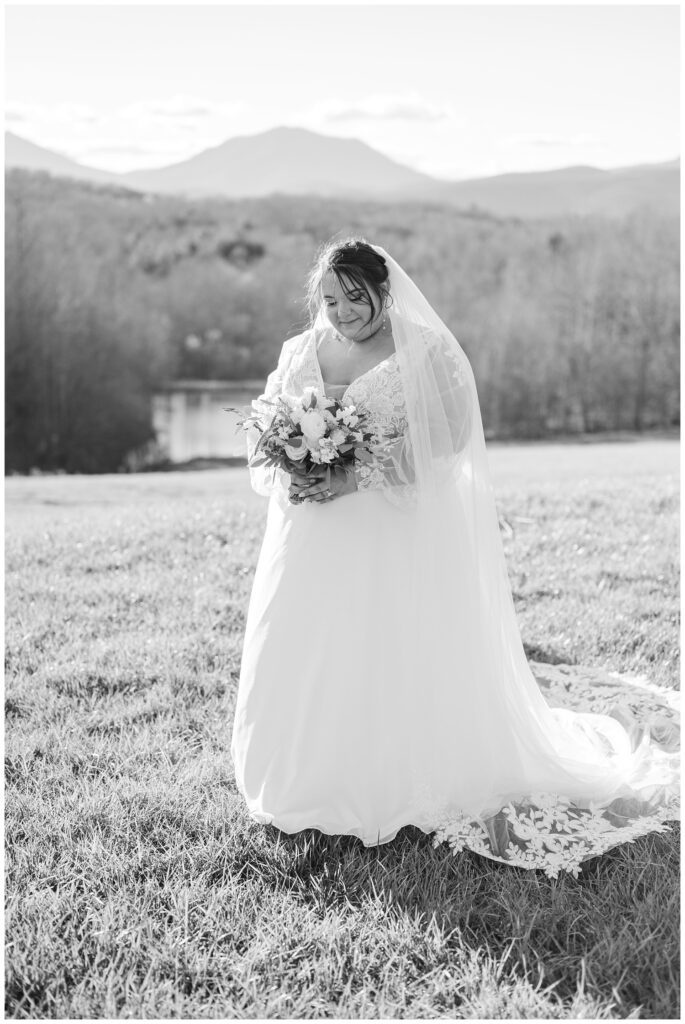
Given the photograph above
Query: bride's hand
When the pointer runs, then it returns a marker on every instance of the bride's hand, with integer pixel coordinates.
(305, 489)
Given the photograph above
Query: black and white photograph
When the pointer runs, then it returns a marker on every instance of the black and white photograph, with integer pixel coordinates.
(342, 540)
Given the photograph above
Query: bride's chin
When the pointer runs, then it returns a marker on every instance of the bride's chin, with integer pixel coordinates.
(348, 332)
(353, 331)
(357, 332)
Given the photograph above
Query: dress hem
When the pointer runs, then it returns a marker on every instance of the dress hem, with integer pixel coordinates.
(268, 819)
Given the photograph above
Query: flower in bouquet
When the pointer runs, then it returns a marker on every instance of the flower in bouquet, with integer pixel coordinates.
(297, 449)
(313, 426)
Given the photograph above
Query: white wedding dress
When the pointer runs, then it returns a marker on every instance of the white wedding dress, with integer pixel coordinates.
(353, 721)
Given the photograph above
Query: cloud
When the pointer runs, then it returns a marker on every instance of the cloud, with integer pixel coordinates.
(61, 113)
(543, 141)
(180, 107)
(117, 150)
(382, 107)
(16, 112)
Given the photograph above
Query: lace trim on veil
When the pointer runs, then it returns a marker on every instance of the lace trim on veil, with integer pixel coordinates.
(550, 832)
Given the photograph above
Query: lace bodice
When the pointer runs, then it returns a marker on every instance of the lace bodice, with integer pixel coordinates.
(379, 392)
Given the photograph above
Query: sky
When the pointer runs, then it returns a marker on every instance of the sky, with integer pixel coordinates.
(457, 91)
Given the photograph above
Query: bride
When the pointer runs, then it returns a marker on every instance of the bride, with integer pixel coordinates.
(383, 679)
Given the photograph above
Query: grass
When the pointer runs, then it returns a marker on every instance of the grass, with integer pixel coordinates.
(136, 884)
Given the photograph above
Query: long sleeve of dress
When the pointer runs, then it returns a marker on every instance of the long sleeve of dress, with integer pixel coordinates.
(269, 480)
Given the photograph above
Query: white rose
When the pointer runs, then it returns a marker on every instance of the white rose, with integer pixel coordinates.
(313, 425)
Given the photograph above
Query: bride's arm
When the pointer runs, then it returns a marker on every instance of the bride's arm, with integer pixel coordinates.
(269, 480)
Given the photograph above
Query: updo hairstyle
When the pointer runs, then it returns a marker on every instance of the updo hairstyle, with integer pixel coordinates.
(357, 267)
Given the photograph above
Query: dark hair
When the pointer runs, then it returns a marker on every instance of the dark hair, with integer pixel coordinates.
(357, 266)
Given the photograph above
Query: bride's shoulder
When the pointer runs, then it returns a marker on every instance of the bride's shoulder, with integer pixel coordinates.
(316, 333)
(320, 332)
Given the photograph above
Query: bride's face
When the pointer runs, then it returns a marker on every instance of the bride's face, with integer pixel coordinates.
(349, 310)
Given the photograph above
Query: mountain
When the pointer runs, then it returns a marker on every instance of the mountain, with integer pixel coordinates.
(22, 153)
(290, 160)
(295, 161)
(572, 190)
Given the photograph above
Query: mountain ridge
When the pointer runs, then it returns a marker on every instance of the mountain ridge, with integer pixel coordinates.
(294, 160)
(21, 152)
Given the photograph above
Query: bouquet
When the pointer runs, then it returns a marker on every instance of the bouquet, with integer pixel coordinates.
(311, 436)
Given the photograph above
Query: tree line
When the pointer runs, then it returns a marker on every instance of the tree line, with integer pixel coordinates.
(571, 325)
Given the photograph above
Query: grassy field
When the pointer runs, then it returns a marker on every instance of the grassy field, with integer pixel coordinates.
(136, 884)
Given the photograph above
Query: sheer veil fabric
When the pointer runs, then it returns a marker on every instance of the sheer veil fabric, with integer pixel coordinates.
(487, 764)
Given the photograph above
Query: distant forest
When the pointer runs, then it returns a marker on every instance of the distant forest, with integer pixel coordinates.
(571, 325)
